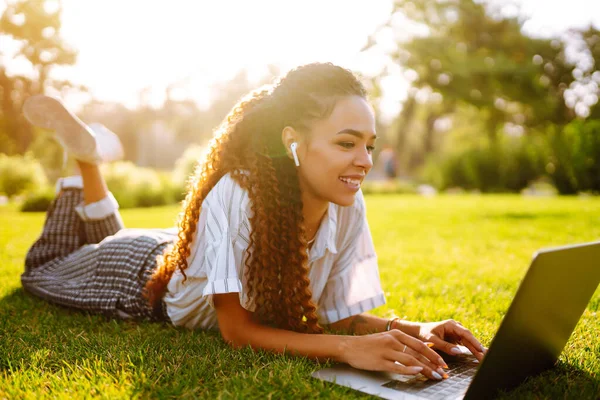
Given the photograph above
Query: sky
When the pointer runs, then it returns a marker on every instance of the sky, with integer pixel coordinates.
(128, 45)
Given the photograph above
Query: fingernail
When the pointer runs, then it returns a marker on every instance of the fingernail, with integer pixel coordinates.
(429, 344)
(483, 350)
(415, 370)
(440, 371)
(436, 375)
(446, 376)
(476, 361)
(455, 350)
(445, 366)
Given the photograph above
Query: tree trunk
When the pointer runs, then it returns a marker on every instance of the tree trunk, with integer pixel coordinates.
(404, 124)
(492, 123)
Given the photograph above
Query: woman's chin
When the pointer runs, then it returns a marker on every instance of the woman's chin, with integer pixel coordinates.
(345, 201)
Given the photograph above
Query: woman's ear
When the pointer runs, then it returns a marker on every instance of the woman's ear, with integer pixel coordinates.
(289, 136)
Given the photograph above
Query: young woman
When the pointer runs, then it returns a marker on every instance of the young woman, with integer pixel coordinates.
(272, 245)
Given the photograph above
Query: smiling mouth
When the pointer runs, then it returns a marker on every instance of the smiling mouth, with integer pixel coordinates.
(350, 181)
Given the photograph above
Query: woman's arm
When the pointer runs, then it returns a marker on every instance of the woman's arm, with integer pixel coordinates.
(444, 335)
(239, 329)
(362, 324)
(377, 352)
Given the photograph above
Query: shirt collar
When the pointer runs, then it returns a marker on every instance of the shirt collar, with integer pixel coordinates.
(326, 235)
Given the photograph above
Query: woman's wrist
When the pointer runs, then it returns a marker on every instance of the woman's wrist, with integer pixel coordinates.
(408, 327)
(342, 348)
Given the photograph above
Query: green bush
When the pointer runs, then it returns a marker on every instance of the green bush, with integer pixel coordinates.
(39, 200)
(135, 186)
(19, 174)
(507, 166)
(131, 185)
(574, 162)
(50, 154)
(388, 187)
(186, 165)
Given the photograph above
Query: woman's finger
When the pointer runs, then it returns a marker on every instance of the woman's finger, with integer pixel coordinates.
(398, 368)
(423, 360)
(418, 346)
(466, 334)
(476, 351)
(470, 342)
(409, 360)
(453, 349)
(446, 347)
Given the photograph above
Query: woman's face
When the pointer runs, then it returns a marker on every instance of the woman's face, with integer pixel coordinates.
(336, 154)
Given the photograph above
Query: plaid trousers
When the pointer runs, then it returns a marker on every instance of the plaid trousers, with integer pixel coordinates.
(96, 266)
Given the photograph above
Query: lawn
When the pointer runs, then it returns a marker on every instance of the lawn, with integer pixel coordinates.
(458, 257)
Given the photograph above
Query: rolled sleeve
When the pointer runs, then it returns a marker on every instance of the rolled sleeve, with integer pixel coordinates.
(216, 260)
(221, 268)
(98, 210)
(218, 252)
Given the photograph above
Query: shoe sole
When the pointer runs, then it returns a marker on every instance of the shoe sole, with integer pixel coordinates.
(49, 113)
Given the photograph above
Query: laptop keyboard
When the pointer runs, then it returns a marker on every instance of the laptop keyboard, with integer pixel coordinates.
(461, 375)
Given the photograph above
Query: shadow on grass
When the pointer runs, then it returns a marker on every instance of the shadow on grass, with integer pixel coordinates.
(529, 216)
(41, 341)
(571, 382)
(59, 349)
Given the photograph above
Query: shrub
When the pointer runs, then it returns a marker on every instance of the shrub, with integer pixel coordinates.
(135, 186)
(186, 165)
(19, 174)
(508, 165)
(39, 200)
(46, 149)
(388, 187)
(574, 162)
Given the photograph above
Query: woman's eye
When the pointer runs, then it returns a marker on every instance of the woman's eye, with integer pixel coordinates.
(350, 145)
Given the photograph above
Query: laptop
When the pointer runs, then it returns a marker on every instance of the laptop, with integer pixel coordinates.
(532, 335)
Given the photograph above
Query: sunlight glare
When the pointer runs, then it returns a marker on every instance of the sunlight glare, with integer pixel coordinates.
(128, 45)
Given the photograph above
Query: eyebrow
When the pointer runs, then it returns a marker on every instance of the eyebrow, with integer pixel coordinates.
(356, 133)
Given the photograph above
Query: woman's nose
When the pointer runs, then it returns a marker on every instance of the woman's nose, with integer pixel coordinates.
(364, 159)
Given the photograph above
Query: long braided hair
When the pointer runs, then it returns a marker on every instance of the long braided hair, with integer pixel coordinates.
(248, 145)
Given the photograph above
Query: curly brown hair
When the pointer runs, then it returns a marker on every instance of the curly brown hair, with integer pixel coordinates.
(248, 145)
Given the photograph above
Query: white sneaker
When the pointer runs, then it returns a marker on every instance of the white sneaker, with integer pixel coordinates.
(93, 144)
(108, 145)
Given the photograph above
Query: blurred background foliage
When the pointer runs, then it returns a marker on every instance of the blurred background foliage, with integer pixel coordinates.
(489, 108)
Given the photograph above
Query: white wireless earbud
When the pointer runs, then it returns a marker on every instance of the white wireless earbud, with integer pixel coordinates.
(293, 147)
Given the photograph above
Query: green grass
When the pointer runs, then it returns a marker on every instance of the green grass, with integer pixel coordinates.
(447, 257)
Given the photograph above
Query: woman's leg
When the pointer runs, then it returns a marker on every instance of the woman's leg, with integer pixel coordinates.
(104, 221)
(65, 231)
(66, 267)
(62, 233)
(72, 221)
(78, 261)
(94, 185)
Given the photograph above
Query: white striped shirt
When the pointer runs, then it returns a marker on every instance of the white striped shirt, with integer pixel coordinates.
(343, 273)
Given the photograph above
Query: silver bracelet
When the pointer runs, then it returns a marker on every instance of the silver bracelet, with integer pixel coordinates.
(388, 327)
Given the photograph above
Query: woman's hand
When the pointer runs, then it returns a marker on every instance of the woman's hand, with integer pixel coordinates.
(392, 351)
(446, 334)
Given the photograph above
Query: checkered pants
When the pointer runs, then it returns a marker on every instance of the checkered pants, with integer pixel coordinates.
(96, 265)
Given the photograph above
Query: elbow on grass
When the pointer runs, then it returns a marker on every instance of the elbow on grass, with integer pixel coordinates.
(234, 338)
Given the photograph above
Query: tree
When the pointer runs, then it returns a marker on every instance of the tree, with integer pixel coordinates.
(35, 26)
(182, 119)
(471, 55)
(590, 76)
